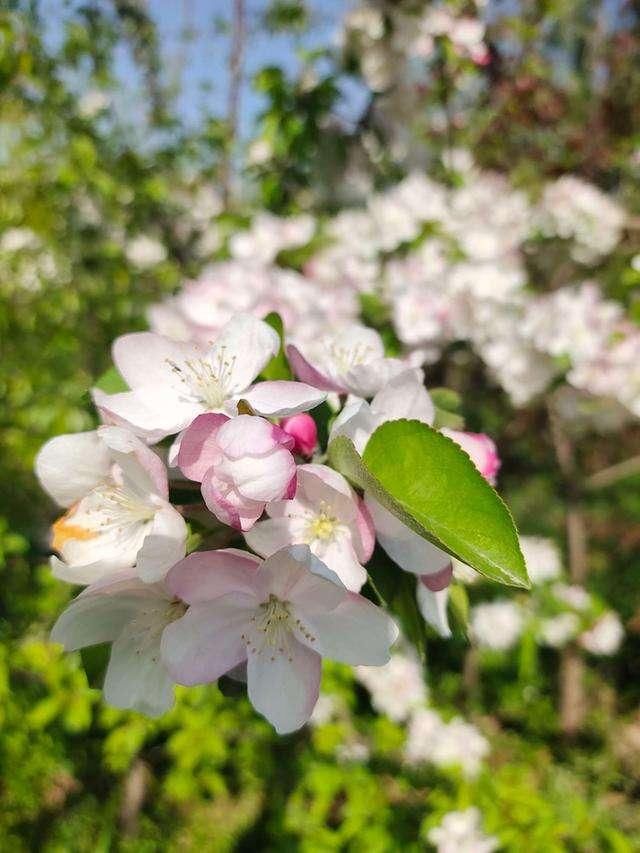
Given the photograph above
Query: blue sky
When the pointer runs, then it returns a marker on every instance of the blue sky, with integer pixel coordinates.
(203, 60)
(195, 48)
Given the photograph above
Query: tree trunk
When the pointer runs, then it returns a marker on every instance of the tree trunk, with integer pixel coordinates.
(573, 700)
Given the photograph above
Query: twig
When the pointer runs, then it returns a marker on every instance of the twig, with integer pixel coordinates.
(572, 669)
(608, 476)
(133, 794)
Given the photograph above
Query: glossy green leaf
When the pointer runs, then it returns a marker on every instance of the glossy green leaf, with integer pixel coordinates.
(431, 485)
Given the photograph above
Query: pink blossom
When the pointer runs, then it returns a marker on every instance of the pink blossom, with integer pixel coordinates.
(481, 449)
(302, 428)
(280, 616)
(242, 463)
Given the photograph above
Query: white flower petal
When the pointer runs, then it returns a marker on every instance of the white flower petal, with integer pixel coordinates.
(145, 359)
(357, 422)
(366, 379)
(163, 546)
(69, 466)
(355, 632)
(404, 397)
(267, 537)
(281, 398)
(339, 556)
(150, 412)
(136, 678)
(245, 345)
(433, 606)
(94, 618)
(284, 687)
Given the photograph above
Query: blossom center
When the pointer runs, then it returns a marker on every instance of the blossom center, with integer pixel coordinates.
(348, 357)
(207, 380)
(123, 505)
(272, 629)
(322, 526)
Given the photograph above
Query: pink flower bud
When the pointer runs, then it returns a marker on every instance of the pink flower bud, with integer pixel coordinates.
(302, 428)
(481, 449)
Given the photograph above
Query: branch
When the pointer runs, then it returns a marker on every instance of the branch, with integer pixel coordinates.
(608, 476)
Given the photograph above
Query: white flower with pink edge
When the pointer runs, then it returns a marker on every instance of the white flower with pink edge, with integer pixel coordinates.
(118, 514)
(325, 514)
(280, 617)
(172, 383)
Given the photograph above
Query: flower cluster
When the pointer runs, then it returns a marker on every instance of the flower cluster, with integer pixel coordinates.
(555, 613)
(200, 420)
(448, 264)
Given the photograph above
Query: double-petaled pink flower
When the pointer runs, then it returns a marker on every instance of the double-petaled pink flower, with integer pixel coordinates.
(242, 463)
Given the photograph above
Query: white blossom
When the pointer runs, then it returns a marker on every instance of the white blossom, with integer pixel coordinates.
(542, 558)
(461, 832)
(605, 637)
(396, 688)
(497, 624)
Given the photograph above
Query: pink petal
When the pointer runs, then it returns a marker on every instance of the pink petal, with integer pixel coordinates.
(264, 478)
(205, 575)
(307, 373)
(438, 580)
(199, 448)
(295, 574)
(207, 641)
(247, 435)
(227, 504)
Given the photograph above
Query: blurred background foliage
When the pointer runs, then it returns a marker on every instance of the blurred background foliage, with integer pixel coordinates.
(80, 193)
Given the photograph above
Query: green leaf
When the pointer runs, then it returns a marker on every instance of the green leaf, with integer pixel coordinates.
(433, 487)
(111, 382)
(278, 367)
